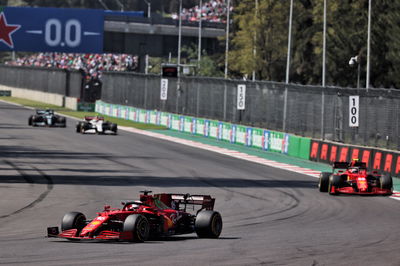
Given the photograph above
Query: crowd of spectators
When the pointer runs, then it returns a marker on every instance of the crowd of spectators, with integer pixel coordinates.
(213, 11)
(91, 65)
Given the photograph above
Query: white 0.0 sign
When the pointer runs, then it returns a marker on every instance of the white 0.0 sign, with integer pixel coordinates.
(354, 110)
(241, 97)
(164, 89)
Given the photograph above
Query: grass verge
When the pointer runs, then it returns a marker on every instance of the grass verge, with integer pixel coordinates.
(78, 114)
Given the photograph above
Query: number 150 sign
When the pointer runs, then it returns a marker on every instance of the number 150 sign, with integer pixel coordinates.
(241, 97)
(354, 110)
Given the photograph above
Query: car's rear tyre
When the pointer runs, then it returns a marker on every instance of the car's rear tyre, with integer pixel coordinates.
(63, 122)
(73, 220)
(386, 182)
(323, 183)
(114, 128)
(78, 127)
(30, 120)
(208, 224)
(334, 181)
(139, 226)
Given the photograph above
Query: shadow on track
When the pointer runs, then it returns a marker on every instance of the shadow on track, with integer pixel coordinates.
(93, 173)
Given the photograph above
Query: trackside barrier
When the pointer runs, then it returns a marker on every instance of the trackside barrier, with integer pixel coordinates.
(383, 161)
(236, 134)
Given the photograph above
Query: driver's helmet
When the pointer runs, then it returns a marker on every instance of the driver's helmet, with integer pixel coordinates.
(354, 170)
(133, 206)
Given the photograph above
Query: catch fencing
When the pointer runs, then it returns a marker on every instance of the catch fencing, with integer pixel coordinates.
(276, 106)
(291, 108)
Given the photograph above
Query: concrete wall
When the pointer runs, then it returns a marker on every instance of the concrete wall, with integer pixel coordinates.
(45, 97)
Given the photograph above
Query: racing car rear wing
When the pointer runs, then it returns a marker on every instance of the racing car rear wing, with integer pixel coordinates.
(340, 165)
(171, 200)
(88, 118)
(345, 165)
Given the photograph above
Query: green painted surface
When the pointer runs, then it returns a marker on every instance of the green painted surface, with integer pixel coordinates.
(305, 146)
(294, 146)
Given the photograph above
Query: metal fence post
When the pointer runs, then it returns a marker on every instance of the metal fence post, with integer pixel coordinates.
(284, 108)
(225, 97)
(323, 114)
(145, 92)
(178, 93)
(198, 99)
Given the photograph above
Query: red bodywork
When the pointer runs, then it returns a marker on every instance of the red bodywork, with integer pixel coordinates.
(97, 118)
(166, 214)
(358, 180)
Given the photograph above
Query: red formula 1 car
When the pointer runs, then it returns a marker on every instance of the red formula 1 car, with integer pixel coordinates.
(353, 178)
(153, 216)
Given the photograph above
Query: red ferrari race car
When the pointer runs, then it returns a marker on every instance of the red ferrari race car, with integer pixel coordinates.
(151, 217)
(353, 178)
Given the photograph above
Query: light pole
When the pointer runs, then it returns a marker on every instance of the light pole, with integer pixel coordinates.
(287, 65)
(356, 60)
(227, 38)
(368, 44)
(199, 45)
(178, 83)
(323, 75)
(179, 35)
(148, 8)
(255, 40)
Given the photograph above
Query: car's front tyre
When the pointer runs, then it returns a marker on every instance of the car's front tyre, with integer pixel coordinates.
(139, 226)
(336, 182)
(323, 182)
(73, 220)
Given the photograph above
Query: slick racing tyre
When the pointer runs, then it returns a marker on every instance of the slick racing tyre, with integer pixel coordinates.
(208, 224)
(386, 182)
(113, 128)
(334, 181)
(139, 226)
(323, 183)
(63, 121)
(30, 121)
(78, 127)
(73, 220)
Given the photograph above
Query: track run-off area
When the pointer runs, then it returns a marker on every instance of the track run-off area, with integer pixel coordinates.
(273, 213)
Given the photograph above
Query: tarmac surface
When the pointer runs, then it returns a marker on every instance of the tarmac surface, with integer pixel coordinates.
(271, 216)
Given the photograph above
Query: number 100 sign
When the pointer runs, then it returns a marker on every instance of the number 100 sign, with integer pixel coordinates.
(354, 110)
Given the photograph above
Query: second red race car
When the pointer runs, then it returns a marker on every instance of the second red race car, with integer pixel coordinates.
(152, 216)
(354, 178)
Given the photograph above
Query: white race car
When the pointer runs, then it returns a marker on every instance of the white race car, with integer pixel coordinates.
(97, 125)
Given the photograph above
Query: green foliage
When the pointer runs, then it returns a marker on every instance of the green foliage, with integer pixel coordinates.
(207, 66)
(346, 37)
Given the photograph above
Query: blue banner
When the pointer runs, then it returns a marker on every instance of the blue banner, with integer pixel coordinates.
(66, 30)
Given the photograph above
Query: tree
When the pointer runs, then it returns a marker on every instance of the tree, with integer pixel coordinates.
(207, 66)
(264, 32)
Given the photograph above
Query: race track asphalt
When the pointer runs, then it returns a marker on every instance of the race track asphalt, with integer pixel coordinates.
(271, 216)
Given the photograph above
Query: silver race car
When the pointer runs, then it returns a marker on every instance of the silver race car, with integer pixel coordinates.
(97, 125)
(47, 118)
